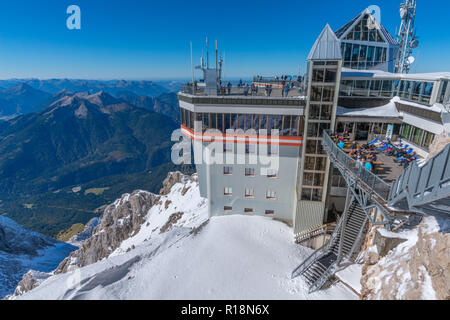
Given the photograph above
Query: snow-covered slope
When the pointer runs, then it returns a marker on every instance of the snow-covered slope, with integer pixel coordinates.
(178, 253)
(22, 250)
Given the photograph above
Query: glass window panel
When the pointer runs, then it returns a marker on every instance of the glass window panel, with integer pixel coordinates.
(311, 146)
(287, 122)
(317, 195)
(306, 194)
(313, 129)
(325, 112)
(355, 52)
(310, 163)
(318, 75)
(330, 75)
(308, 178)
(321, 164)
(316, 93)
(314, 112)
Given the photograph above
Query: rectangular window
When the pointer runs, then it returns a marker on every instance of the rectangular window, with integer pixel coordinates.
(250, 148)
(249, 193)
(271, 194)
(228, 191)
(270, 212)
(272, 149)
(306, 194)
(227, 209)
(427, 139)
(228, 170)
(272, 173)
(249, 172)
(228, 147)
(248, 211)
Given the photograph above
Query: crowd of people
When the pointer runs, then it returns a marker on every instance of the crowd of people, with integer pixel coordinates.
(284, 83)
(367, 154)
(363, 155)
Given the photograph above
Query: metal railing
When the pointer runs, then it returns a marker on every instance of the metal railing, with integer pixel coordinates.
(420, 185)
(224, 90)
(324, 229)
(316, 254)
(374, 183)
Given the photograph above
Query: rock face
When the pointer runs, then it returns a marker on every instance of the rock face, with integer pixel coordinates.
(416, 267)
(86, 233)
(170, 181)
(119, 221)
(30, 280)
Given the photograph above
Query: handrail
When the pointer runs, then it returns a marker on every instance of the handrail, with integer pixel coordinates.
(420, 185)
(374, 183)
(323, 278)
(313, 232)
(313, 257)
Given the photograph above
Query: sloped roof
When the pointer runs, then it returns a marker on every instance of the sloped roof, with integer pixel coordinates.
(340, 33)
(326, 47)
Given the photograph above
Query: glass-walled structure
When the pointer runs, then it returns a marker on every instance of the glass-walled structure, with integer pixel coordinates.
(288, 125)
(419, 137)
(367, 88)
(417, 91)
(366, 44)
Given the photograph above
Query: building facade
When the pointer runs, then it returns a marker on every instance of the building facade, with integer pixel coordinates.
(270, 140)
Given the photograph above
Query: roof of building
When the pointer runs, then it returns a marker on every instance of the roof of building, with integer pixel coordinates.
(326, 47)
(387, 111)
(340, 33)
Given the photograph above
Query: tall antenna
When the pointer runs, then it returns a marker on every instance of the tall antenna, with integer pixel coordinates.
(207, 53)
(192, 65)
(217, 56)
(406, 36)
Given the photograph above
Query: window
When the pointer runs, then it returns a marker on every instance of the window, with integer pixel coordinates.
(272, 149)
(227, 170)
(272, 173)
(427, 140)
(270, 212)
(227, 209)
(248, 211)
(250, 148)
(228, 191)
(443, 92)
(249, 193)
(249, 172)
(271, 194)
(228, 147)
(416, 136)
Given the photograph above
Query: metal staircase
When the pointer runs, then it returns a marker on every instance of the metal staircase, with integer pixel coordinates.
(343, 245)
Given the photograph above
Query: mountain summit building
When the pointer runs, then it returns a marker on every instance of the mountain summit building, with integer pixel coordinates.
(349, 87)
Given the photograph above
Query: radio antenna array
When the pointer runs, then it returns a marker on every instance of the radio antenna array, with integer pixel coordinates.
(406, 36)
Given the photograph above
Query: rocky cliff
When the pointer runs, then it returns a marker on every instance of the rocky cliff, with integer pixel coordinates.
(120, 221)
(409, 265)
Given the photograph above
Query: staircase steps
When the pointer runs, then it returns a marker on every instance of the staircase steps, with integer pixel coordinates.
(356, 218)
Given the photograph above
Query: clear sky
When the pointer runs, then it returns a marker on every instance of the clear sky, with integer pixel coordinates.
(145, 39)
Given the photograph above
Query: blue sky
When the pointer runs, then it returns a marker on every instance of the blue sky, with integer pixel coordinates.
(143, 39)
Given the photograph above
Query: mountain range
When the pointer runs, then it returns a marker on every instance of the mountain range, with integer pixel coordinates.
(97, 144)
(26, 96)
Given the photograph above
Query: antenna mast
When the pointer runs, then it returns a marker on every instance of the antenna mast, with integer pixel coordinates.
(406, 36)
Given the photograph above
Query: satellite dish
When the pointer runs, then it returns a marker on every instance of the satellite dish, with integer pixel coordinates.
(414, 44)
(403, 13)
(411, 60)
